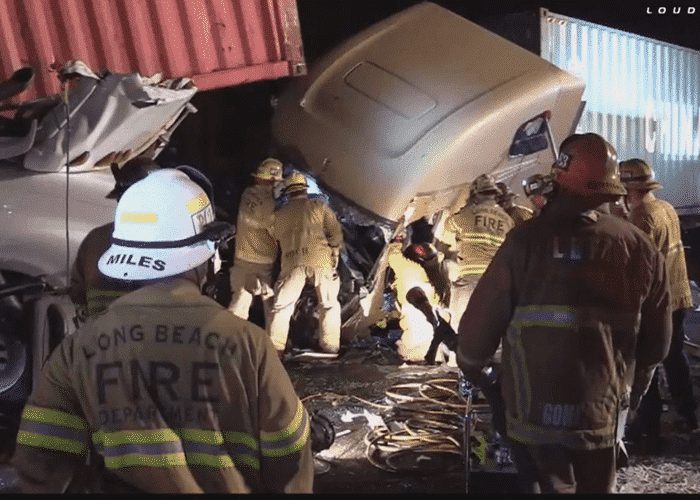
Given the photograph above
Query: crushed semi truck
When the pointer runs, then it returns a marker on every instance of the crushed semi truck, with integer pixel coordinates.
(396, 122)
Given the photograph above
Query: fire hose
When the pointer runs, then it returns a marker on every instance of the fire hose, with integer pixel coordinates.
(422, 420)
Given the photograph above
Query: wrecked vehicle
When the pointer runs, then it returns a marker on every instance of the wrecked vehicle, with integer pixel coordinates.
(45, 209)
(54, 174)
(396, 122)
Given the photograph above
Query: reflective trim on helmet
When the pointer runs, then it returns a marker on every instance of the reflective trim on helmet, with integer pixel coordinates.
(198, 203)
(138, 218)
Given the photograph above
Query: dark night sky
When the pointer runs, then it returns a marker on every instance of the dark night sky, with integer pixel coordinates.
(327, 22)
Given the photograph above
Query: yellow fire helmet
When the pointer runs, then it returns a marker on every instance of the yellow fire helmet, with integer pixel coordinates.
(270, 169)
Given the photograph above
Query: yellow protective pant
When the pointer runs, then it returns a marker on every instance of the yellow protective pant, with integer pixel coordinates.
(459, 298)
(417, 334)
(288, 289)
(247, 280)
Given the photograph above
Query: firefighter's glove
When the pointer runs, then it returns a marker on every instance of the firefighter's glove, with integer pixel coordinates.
(322, 432)
(335, 257)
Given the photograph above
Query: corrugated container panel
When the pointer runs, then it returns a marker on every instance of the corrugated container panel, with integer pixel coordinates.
(641, 94)
(218, 43)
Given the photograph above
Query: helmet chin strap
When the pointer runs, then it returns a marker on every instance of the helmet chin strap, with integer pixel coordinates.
(206, 280)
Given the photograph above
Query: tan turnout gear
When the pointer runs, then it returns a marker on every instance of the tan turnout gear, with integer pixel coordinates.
(175, 394)
(165, 391)
(256, 251)
(519, 213)
(417, 330)
(479, 230)
(310, 237)
(506, 199)
(659, 220)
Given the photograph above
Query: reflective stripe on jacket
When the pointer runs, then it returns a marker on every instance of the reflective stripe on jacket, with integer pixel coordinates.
(254, 241)
(479, 231)
(175, 394)
(581, 306)
(659, 220)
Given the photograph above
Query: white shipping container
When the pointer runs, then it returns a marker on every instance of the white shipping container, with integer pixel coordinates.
(641, 94)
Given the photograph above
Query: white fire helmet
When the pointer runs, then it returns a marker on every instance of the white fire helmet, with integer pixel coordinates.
(159, 229)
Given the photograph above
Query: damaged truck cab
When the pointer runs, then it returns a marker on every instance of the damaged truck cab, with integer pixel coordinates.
(396, 122)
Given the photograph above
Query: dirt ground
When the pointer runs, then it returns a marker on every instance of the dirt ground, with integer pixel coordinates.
(385, 442)
(354, 392)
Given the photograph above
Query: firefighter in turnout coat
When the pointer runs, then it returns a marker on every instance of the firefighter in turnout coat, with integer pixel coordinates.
(165, 391)
(659, 220)
(256, 248)
(479, 228)
(581, 303)
(310, 236)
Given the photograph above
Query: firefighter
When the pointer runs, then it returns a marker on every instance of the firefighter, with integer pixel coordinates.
(91, 291)
(310, 238)
(256, 248)
(658, 219)
(479, 229)
(165, 391)
(411, 269)
(580, 300)
(506, 199)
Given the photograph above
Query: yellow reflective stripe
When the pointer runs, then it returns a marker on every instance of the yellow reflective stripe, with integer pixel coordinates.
(289, 440)
(169, 460)
(56, 417)
(252, 462)
(138, 218)
(146, 436)
(241, 438)
(220, 461)
(528, 433)
(51, 442)
(292, 448)
(289, 430)
(548, 316)
(201, 436)
(481, 236)
(198, 203)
